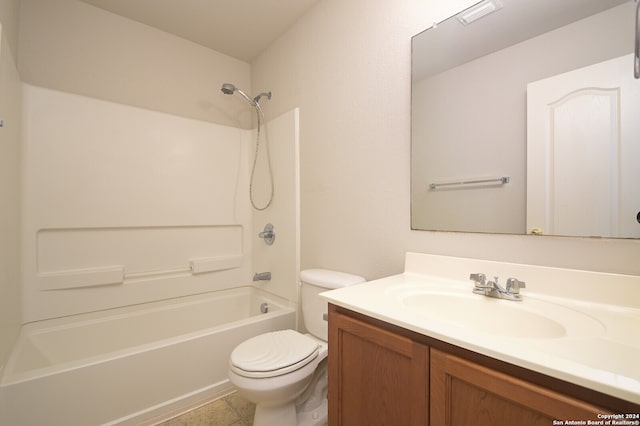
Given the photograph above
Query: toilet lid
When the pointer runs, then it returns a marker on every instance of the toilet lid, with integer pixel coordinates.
(273, 354)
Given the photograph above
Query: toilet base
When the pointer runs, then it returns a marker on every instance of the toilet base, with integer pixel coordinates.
(319, 416)
(281, 415)
(286, 415)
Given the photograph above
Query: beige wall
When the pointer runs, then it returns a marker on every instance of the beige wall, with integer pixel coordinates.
(10, 194)
(9, 12)
(74, 47)
(347, 64)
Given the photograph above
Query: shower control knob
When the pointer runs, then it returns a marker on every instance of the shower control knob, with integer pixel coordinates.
(268, 234)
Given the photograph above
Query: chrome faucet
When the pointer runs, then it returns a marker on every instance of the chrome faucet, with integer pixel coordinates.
(514, 285)
(493, 289)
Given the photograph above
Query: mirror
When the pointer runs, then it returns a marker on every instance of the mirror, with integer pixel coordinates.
(517, 128)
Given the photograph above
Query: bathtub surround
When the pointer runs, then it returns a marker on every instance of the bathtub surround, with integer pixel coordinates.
(138, 214)
(140, 207)
(124, 205)
(282, 258)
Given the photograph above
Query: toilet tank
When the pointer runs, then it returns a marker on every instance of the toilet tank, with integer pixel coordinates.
(314, 308)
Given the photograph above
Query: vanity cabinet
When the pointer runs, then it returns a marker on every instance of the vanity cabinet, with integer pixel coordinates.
(376, 377)
(467, 393)
(382, 374)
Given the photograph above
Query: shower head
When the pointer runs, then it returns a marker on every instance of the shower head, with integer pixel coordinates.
(228, 88)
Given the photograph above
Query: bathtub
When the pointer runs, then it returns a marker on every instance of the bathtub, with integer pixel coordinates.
(129, 365)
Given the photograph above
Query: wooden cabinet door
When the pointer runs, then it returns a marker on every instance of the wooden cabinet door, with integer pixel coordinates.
(375, 377)
(464, 393)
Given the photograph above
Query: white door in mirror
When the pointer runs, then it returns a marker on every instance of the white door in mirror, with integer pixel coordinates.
(583, 132)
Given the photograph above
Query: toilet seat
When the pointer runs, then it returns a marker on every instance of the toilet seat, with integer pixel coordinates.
(273, 354)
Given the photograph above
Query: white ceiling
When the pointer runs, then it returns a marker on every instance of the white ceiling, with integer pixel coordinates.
(238, 28)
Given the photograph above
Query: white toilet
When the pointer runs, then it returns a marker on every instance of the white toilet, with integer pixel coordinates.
(285, 372)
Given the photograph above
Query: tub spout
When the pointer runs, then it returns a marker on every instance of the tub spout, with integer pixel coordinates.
(262, 276)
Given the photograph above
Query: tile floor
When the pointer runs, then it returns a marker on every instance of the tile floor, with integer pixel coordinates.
(230, 410)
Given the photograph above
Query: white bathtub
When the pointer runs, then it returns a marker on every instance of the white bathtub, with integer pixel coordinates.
(127, 365)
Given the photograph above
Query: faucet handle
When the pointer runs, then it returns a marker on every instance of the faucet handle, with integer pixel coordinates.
(479, 278)
(514, 285)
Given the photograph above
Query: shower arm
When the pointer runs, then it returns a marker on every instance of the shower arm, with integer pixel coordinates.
(257, 98)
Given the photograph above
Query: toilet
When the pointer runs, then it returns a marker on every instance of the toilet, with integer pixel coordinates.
(285, 372)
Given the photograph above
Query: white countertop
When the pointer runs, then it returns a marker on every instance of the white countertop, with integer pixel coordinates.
(578, 339)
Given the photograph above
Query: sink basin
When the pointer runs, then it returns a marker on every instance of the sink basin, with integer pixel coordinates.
(530, 318)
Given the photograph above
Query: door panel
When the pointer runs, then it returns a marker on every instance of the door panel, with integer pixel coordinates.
(583, 144)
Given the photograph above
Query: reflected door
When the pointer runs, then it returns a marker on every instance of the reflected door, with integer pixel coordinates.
(583, 132)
